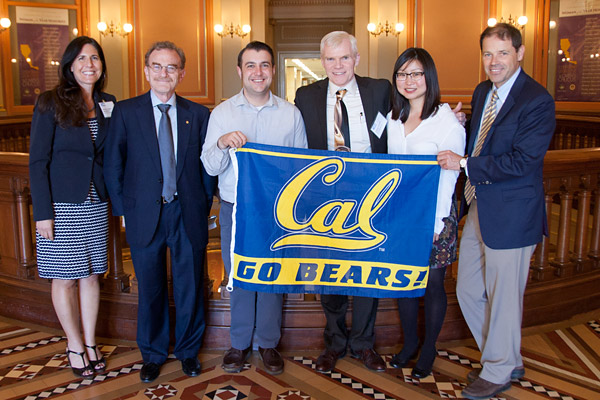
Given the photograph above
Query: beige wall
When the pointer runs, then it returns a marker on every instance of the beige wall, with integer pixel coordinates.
(448, 29)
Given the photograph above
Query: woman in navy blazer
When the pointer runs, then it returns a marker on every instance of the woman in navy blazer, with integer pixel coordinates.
(70, 205)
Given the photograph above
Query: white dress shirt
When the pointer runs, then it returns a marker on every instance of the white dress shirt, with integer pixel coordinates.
(441, 131)
(359, 133)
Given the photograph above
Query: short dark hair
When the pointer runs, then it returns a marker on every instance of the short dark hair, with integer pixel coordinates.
(166, 45)
(504, 31)
(400, 104)
(256, 46)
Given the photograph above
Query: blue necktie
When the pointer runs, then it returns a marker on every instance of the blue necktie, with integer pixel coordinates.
(167, 154)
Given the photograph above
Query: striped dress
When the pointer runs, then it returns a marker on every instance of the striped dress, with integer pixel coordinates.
(80, 244)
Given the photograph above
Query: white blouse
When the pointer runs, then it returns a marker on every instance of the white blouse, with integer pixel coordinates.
(442, 131)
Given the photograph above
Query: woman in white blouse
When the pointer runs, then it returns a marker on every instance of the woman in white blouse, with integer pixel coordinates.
(420, 124)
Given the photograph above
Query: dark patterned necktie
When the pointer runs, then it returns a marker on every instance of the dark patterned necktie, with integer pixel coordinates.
(341, 130)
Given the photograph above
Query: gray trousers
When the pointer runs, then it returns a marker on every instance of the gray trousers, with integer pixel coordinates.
(490, 288)
(249, 309)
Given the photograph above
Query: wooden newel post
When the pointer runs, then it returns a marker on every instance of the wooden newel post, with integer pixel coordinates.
(562, 262)
(116, 280)
(581, 229)
(595, 240)
(540, 269)
(26, 257)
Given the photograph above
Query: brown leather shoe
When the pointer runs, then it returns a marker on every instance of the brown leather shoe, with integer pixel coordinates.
(516, 373)
(272, 360)
(482, 389)
(234, 359)
(371, 359)
(327, 359)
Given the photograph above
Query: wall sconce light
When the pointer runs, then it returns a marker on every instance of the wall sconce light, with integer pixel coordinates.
(519, 23)
(378, 29)
(231, 30)
(4, 24)
(112, 29)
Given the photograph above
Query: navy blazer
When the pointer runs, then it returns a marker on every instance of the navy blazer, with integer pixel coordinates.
(312, 102)
(63, 161)
(507, 175)
(134, 176)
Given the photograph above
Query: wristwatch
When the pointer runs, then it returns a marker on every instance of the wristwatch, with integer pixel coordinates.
(463, 163)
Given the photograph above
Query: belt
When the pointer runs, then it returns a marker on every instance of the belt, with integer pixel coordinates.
(167, 202)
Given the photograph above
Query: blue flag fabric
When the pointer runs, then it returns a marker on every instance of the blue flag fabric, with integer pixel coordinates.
(313, 221)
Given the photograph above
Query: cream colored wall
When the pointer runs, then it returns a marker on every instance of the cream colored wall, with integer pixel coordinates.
(516, 8)
(238, 12)
(115, 47)
(378, 54)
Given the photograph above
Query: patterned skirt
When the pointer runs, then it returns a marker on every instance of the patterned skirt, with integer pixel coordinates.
(443, 251)
(80, 245)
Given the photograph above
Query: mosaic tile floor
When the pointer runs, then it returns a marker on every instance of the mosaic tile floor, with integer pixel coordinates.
(562, 362)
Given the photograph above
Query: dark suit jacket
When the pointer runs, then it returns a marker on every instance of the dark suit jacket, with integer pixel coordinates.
(133, 173)
(507, 174)
(312, 102)
(62, 161)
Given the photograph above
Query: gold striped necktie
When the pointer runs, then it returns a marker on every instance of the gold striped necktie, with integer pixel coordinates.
(488, 119)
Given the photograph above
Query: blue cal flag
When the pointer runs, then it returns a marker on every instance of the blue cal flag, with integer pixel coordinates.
(313, 221)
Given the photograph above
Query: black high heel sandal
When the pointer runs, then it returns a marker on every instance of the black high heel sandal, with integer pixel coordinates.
(86, 372)
(95, 363)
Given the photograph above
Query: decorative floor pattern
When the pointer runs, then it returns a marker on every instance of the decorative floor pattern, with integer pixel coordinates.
(562, 362)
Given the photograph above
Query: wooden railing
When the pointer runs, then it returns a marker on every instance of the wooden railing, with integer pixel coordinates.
(576, 132)
(564, 279)
(14, 134)
(17, 228)
(572, 132)
(572, 193)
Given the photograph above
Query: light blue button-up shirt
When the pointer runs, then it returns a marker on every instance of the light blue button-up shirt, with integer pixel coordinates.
(277, 122)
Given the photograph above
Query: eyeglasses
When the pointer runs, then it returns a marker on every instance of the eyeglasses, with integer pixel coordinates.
(415, 76)
(157, 68)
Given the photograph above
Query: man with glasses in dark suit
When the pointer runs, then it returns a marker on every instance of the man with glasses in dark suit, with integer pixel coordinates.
(156, 180)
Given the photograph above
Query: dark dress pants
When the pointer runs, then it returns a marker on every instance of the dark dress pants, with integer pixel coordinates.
(153, 300)
(362, 333)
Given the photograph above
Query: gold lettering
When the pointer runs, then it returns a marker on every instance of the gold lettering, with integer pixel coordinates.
(329, 224)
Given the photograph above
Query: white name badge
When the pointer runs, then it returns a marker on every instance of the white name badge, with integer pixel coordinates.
(107, 108)
(379, 125)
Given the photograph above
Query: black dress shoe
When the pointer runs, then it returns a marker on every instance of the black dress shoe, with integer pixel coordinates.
(149, 372)
(191, 366)
(327, 359)
(420, 373)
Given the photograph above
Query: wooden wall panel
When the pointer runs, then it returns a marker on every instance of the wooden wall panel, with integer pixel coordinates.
(449, 31)
(187, 23)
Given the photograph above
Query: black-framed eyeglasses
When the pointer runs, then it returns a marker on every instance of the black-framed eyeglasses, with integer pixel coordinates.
(415, 76)
(157, 68)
